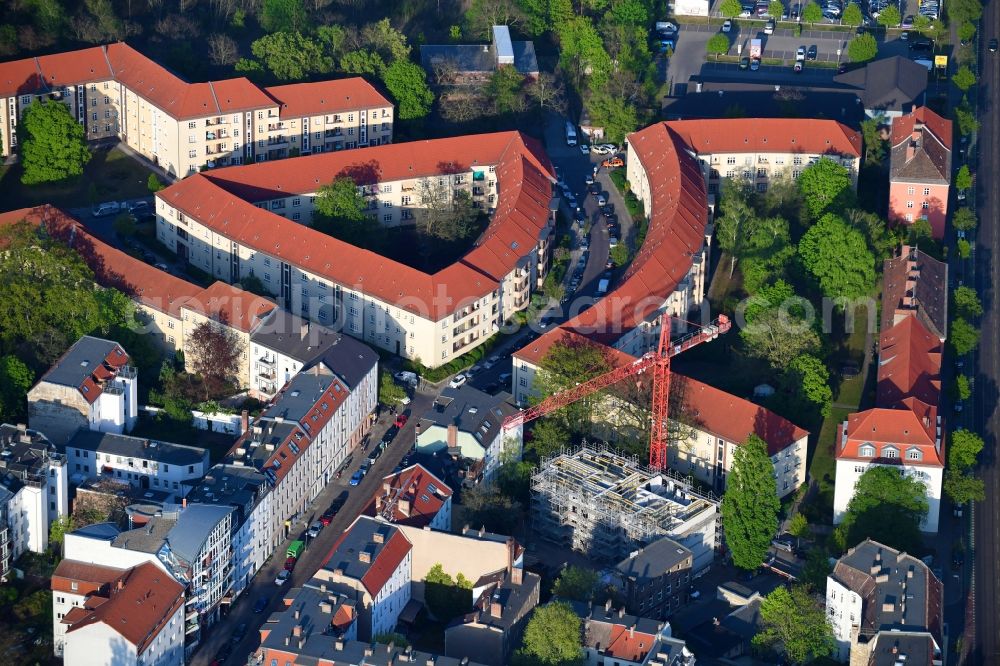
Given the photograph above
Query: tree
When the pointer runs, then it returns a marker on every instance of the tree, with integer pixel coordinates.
(576, 583)
(967, 121)
(582, 52)
(153, 184)
(798, 526)
(731, 228)
(59, 528)
(385, 40)
(795, 624)
(966, 302)
(776, 327)
(852, 15)
(617, 114)
(730, 9)
(486, 506)
(964, 336)
(837, 256)
(964, 248)
(964, 78)
(811, 382)
(389, 392)
(826, 186)
(889, 17)
(340, 212)
(882, 240)
(871, 134)
(960, 388)
(568, 362)
(48, 298)
(553, 637)
(887, 506)
(862, 48)
(53, 143)
(124, 225)
(223, 50)
(215, 352)
(630, 12)
(15, 380)
(750, 506)
(963, 179)
(776, 9)
(964, 219)
(816, 569)
(362, 61)
(407, 82)
(396, 639)
(447, 597)
(812, 13)
(963, 487)
(547, 91)
(964, 451)
(504, 89)
(283, 16)
(290, 56)
(718, 44)
(966, 31)
(965, 10)
(484, 14)
(549, 436)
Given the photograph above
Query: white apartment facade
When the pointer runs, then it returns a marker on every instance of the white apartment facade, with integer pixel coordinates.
(116, 92)
(433, 318)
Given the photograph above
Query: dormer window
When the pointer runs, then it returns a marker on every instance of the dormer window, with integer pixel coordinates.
(914, 454)
(867, 451)
(890, 452)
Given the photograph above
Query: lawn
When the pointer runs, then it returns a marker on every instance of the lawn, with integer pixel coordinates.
(110, 175)
(822, 468)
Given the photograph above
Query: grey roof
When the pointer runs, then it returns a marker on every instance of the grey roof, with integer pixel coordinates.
(470, 409)
(654, 560)
(25, 456)
(233, 485)
(79, 361)
(193, 527)
(301, 394)
(138, 447)
(478, 58)
(514, 600)
(502, 44)
(899, 647)
(603, 614)
(293, 336)
(374, 538)
(889, 84)
(930, 294)
(321, 644)
(720, 99)
(105, 531)
(898, 591)
(150, 537)
(349, 359)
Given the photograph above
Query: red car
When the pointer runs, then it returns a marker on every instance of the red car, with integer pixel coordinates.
(327, 518)
(401, 420)
(290, 564)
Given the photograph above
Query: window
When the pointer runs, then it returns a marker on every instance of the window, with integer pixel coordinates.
(267, 277)
(387, 218)
(192, 153)
(925, 205)
(914, 454)
(889, 452)
(909, 217)
(73, 585)
(386, 204)
(93, 116)
(192, 125)
(296, 202)
(867, 451)
(911, 190)
(730, 160)
(107, 113)
(797, 161)
(295, 216)
(796, 173)
(386, 189)
(927, 191)
(909, 204)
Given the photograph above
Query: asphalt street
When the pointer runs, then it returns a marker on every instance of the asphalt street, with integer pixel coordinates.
(219, 639)
(986, 586)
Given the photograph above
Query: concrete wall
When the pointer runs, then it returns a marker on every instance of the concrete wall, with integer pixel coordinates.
(457, 554)
(57, 411)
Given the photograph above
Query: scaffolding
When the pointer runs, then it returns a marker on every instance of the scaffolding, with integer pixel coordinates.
(607, 505)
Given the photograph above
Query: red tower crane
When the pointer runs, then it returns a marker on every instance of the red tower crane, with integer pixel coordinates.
(658, 362)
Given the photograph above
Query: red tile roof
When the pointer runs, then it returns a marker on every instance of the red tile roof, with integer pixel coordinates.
(730, 417)
(412, 485)
(911, 426)
(629, 645)
(140, 604)
(74, 67)
(775, 135)
(536, 350)
(88, 577)
(386, 562)
(231, 305)
(909, 364)
(323, 97)
(902, 126)
(221, 201)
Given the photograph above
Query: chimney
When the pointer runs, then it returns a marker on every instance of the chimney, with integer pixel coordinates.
(378, 503)
(244, 421)
(496, 609)
(364, 556)
(911, 150)
(378, 537)
(303, 329)
(888, 606)
(621, 612)
(386, 487)
(452, 435)
(302, 642)
(631, 631)
(607, 606)
(184, 503)
(288, 640)
(368, 650)
(516, 576)
(298, 613)
(338, 644)
(297, 629)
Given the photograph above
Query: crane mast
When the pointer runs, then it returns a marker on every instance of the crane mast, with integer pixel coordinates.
(657, 362)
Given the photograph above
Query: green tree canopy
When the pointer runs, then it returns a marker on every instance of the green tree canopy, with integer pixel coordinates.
(889, 17)
(504, 89)
(812, 13)
(153, 184)
(810, 381)
(837, 256)
(795, 624)
(15, 380)
(447, 597)
(776, 328)
(826, 187)
(963, 487)
(718, 44)
(887, 506)
(618, 116)
(576, 583)
(966, 119)
(407, 82)
(776, 9)
(567, 363)
(798, 526)
(283, 16)
(290, 56)
(53, 144)
(852, 15)
(965, 10)
(966, 302)
(340, 212)
(964, 219)
(389, 392)
(730, 9)
(964, 78)
(750, 506)
(961, 389)
(964, 337)
(966, 31)
(553, 637)
(816, 569)
(863, 47)
(963, 179)
(630, 12)
(964, 450)
(490, 507)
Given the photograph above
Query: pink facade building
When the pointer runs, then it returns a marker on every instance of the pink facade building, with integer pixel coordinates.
(920, 169)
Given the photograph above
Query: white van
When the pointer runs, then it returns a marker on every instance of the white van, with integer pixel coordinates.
(570, 134)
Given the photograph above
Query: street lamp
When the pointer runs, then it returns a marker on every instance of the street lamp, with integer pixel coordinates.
(838, 56)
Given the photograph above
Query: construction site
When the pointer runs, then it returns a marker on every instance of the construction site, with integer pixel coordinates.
(606, 505)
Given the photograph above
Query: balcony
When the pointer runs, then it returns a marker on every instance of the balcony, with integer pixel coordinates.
(209, 136)
(478, 192)
(276, 127)
(217, 149)
(264, 360)
(267, 374)
(277, 141)
(211, 122)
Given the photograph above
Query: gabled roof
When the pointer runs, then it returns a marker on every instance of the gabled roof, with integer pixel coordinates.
(412, 497)
(890, 84)
(654, 560)
(230, 305)
(325, 97)
(921, 148)
(87, 365)
(914, 283)
(88, 577)
(763, 135)
(909, 364)
(899, 430)
(921, 118)
(139, 605)
(627, 644)
(369, 551)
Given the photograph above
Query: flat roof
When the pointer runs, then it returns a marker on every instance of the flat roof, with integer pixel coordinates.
(127, 446)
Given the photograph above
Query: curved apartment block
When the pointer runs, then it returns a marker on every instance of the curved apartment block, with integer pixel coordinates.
(253, 220)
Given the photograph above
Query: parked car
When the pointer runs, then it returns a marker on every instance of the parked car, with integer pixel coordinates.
(783, 544)
(457, 381)
(769, 27)
(613, 241)
(401, 420)
(106, 208)
(727, 26)
(504, 378)
(797, 67)
(589, 179)
(585, 149)
(811, 52)
(290, 563)
(240, 632)
(745, 62)
(138, 207)
(282, 577)
(602, 199)
(356, 477)
(314, 529)
(800, 53)
(907, 23)
(921, 45)
(261, 604)
(595, 188)
(327, 518)
(613, 163)
(994, 45)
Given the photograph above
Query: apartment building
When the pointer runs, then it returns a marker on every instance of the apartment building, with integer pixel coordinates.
(253, 220)
(91, 386)
(920, 169)
(468, 424)
(34, 492)
(135, 461)
(413, 496)
(885, 607)
(135, 617)
(370, 563)
(281, 346)
(914, 284)
(116, 92)
(612, 636)
(655, 580)
(759, 150)
(308, 431)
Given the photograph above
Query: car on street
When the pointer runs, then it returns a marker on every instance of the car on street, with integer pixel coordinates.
(589, 179)
(921, 45)
(994, 45)
(457, 381)
(261, 605)
(585, 149)
(401, 420)
(783, 544)
(282, 577)
(491, 361)
(907, 23)
(162, 267)
(314, 529)
(745, 62)
(105, 209)
(769, 27)
(607, 210)
(800, 54)
(290, 563)
(356, 477)
(602, 199)
(727, 26)
(595, 188)
(613, 163)
(812, 52)
(327, 517)
(613, 241)
(504, 377)
(841, 68)
(138, 207)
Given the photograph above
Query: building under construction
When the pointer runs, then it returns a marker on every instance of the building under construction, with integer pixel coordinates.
(606, 505)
